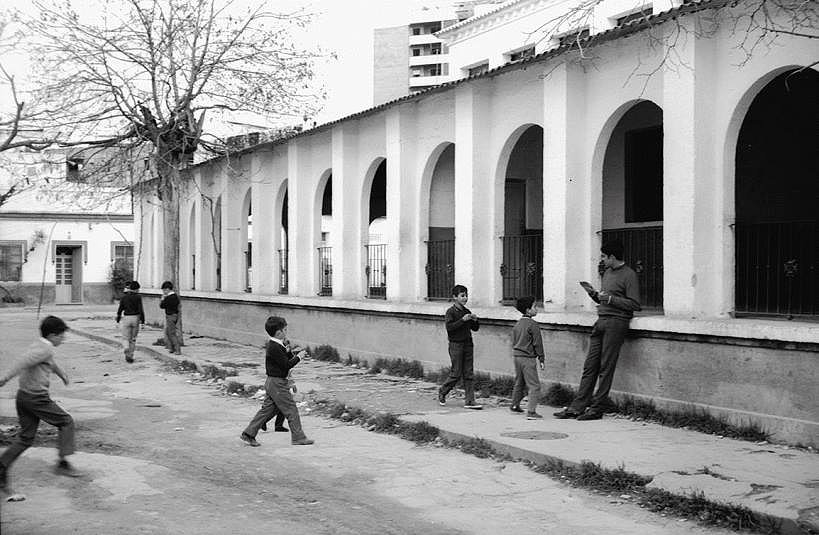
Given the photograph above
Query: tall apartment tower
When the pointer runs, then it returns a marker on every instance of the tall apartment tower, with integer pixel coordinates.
(410, 58)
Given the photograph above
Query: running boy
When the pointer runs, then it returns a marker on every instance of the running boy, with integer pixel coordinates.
(527, 345)
(460, 321)
(278, 362)
(35, 404)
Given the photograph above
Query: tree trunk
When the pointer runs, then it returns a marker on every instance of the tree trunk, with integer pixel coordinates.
(169, 176)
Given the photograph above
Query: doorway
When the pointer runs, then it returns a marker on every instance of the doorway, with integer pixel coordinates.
(68, 275)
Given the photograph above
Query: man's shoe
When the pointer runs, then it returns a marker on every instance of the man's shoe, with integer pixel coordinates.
(64, 468)
(249, 440)
(303, 442)
(281, 429)
(441, 398)
(590, 415)
(566, 413)
(533, 416)
(515, 408)
(474, 406)
(129, 359)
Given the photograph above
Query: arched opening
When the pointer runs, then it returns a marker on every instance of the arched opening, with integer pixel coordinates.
(440, 266)
(247, 240)
(376, 269)
(632, 185)
(216, 236)
(324, 213)
(192, 240)
(522, 240)
(283, 245)
(776, 194)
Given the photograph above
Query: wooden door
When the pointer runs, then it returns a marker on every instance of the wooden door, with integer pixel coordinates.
(64, 277)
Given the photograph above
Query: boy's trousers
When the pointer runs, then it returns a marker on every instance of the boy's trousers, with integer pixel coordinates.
(606, 339)
(526, 374)
(171, 333)
(130, 329)
(278, 400)
(31, 408)
(461, 354)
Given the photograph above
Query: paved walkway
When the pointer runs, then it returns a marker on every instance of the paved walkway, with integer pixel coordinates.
(775, 480)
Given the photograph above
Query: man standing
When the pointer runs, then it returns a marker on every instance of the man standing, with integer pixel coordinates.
(617, 302)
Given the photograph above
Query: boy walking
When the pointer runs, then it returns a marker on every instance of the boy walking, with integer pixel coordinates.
(131, 307)
(278, 362)
(527, 346)
(170, 304)
(34, 403)
(460, 321)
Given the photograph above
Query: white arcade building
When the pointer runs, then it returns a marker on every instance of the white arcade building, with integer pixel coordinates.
(662, 130)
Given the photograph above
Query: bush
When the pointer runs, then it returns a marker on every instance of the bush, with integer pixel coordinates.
(326, 353)
(119, 273)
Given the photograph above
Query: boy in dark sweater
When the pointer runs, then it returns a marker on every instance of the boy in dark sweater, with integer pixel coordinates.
(527, 347)
(34, 402)
(170, 304)
(460, 321)
(130, 306)
(618, 300)
(278, 362)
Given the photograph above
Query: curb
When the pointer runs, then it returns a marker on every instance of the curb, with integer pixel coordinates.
(786, 526)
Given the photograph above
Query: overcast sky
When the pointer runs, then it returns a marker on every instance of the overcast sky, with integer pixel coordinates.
(341, 26)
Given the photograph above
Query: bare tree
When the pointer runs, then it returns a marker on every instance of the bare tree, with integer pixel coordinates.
(141, 74)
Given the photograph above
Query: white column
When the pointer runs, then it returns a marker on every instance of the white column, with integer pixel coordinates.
(233, 196)
(477, 248)
(401, 209)
(565, 212)
(691, 223)
(345, 236)
(302, 244)
(265, 227)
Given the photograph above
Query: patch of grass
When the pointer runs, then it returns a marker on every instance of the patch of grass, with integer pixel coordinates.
(696, 419)
(557, 395)
(326, 353)
(232, 387)
(486, 385)
(215, 372)
(186, 366)
(418, 432)
(475, 446)
(398, 367)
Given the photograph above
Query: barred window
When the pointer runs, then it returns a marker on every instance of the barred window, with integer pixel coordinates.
(11, 260)
(123, 255)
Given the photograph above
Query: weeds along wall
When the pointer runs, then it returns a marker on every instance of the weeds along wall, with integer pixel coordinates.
(743, 381)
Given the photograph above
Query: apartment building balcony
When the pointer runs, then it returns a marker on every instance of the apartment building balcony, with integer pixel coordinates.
(429, 59)
(423, 39)
(419, 81)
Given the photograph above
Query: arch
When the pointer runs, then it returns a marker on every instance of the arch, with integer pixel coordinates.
(629, 179)
(322, 223)
(192, 247)
(374, 197)
(518, 219)
(775, 193)
(280, 238)
(366, 190)
(436, 227)
(246, 238)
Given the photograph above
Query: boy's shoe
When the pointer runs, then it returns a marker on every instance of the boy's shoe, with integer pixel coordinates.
(249, 440)
(281, 429)
(566, 413)
(590, 415)
(474, 406)
(129, 359)
(441, 398)
(515, 408)
(64, 468)
(263, 427)
(533, 416)
(303, 442)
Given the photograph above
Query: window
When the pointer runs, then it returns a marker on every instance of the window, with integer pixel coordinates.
(477, 70)
(122, 256)
(522, 54)
(416, 51)
(644, 174)
(636, 15)
(435, 70)
(11, 260)
(435, 50)
(573, 38)
(416, 31)
(73, 169)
